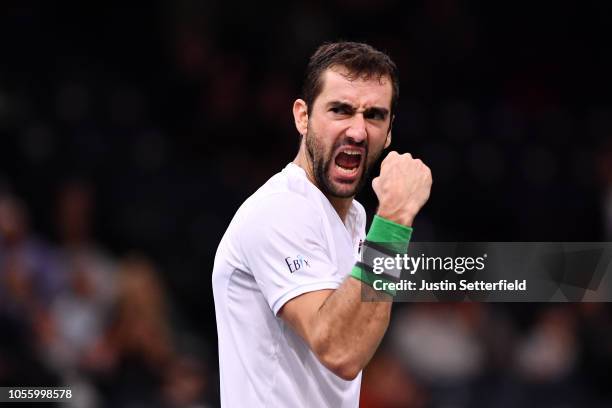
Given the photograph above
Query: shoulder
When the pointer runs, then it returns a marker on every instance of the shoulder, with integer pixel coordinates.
(284, 208)
(288, 194)
(280, 208)
(278, 223)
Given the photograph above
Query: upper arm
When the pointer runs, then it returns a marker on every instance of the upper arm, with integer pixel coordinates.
(334, 327)
(300, 313)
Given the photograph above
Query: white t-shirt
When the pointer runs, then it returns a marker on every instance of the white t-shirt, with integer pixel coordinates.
(285, 240)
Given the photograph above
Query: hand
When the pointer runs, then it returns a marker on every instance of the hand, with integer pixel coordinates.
(402, 187)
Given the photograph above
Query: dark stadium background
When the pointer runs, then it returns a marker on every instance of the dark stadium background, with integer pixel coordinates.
(141, 127)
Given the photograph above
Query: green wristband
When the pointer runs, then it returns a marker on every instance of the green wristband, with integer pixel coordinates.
(390, 233)
(368, 278)
(393, 237)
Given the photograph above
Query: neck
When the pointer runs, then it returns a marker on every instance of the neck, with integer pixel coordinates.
(341, 205)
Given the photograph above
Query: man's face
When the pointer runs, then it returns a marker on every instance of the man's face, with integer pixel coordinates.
(347, 130)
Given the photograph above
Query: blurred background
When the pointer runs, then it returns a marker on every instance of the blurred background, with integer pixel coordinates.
(130, 134)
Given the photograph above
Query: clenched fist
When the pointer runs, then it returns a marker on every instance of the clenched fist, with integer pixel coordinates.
(402, 187)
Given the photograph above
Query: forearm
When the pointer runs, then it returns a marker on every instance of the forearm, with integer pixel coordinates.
(351, 322)
(350, 325)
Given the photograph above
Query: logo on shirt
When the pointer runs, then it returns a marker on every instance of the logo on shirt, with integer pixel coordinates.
(296, 263)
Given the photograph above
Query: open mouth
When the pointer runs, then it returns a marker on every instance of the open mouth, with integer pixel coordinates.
(348, 161)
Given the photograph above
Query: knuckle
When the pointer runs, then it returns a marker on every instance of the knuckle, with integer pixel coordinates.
(389, 158)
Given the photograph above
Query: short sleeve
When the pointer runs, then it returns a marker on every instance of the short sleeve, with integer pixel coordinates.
(284, 247)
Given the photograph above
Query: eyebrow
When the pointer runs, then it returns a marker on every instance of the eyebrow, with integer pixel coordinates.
(347, 106)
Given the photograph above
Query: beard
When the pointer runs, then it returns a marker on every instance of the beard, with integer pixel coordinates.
(322, 161)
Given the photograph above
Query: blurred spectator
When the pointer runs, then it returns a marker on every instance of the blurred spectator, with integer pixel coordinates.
(387, 383)
(548, 353)
(443, 346)
(137, 361)
(29, 271)
(545, 360)
(29, 280)
(441, 342)
(185, 384)
(79, 314)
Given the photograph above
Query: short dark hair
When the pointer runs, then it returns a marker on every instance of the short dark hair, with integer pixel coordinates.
(361, 60)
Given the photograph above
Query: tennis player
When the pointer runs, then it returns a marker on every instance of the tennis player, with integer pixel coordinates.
(295, 329)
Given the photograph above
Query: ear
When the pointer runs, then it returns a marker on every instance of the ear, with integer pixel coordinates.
(388, 141)
(300, 116)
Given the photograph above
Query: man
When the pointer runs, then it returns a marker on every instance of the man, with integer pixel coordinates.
(294, 330)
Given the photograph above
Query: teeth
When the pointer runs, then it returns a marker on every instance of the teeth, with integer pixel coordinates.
(352, 152)
(347, 170)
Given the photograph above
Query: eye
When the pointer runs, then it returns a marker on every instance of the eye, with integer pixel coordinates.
(340, 110)
(375, 114)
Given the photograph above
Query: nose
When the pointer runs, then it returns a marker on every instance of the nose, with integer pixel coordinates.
(357, 129)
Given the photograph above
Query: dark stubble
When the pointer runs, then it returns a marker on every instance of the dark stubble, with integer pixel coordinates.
(322, 162)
